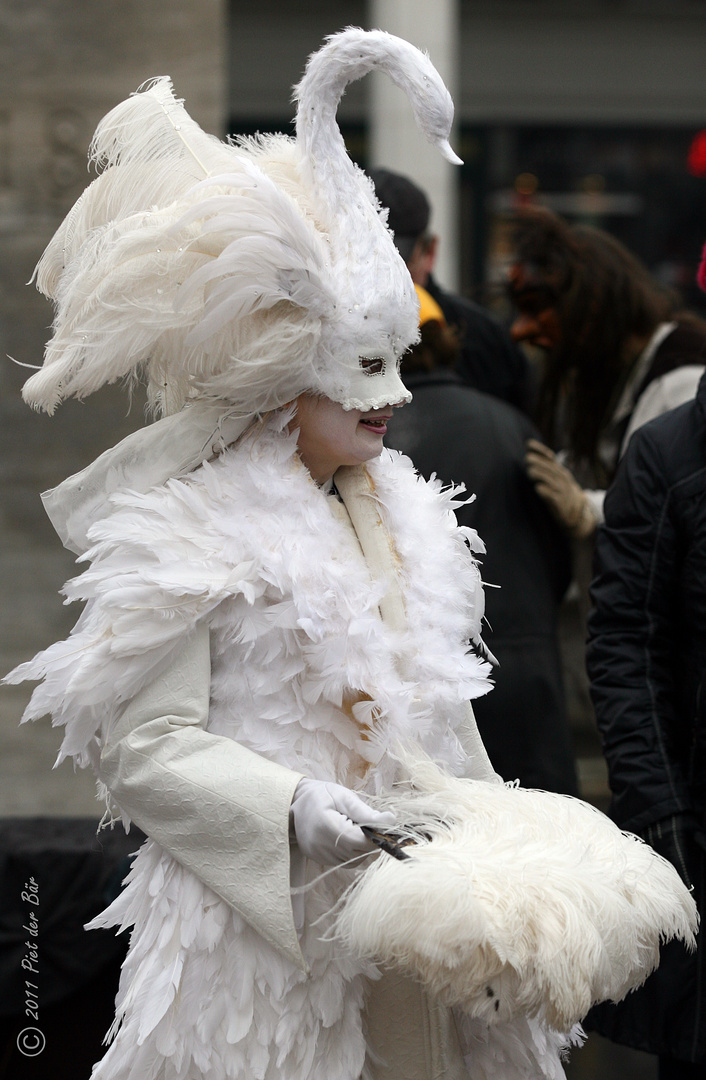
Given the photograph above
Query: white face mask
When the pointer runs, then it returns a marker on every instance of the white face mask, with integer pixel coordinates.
(360, 349)
(374, 317)
(372, 384)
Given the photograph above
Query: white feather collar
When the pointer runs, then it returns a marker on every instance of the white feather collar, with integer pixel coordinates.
(249, 542)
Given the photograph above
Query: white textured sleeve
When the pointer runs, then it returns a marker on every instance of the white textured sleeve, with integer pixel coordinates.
(478, 765)
(218, 808)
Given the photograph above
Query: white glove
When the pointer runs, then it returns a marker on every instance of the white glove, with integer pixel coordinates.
(555, 484)
(326, 819)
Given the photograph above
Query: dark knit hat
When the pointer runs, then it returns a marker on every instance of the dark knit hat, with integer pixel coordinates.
(408, 205)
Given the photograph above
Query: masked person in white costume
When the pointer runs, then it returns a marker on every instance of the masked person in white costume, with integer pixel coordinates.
(266, 615)
(274, 603)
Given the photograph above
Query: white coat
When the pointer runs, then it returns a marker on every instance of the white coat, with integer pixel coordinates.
(233, 642)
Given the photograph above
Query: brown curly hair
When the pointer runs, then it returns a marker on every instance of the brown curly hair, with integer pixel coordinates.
(603, 296)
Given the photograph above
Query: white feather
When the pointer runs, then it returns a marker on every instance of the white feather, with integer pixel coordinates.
(161, 153)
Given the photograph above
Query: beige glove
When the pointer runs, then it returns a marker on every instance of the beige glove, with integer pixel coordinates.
(555, 484)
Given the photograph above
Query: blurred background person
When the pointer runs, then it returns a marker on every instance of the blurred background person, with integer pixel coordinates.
(647, 662)
(488, 360)
(617, 350)
(469, 437)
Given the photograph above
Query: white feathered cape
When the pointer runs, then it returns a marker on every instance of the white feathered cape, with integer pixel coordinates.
(309, 680)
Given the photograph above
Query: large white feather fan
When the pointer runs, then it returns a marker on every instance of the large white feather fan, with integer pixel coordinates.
(514, 902)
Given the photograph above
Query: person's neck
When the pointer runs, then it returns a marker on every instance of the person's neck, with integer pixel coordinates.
(321, 472)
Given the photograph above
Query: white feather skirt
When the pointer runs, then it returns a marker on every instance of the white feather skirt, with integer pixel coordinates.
(203, 995)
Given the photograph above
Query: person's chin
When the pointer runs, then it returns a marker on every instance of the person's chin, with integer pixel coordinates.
(372, 438)
(369, 446)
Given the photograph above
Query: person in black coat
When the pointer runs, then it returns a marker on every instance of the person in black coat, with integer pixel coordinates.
(647, 664)
(469, 437)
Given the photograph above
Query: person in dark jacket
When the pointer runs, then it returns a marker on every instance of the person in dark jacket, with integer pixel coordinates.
(489, 360)
(469, 437)
(647, 665)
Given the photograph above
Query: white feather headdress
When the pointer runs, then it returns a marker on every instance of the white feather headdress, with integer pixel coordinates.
(241, 273)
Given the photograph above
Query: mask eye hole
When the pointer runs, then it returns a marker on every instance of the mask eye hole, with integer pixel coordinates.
(372, 365)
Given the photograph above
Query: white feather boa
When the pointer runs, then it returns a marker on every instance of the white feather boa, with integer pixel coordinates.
(304, 670)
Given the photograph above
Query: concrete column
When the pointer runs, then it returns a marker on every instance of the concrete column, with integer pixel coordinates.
(396, 142)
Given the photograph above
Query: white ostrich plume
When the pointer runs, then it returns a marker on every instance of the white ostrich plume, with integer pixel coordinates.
(514, 902)
(242, 273)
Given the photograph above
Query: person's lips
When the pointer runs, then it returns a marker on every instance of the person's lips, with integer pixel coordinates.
(378, 424)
